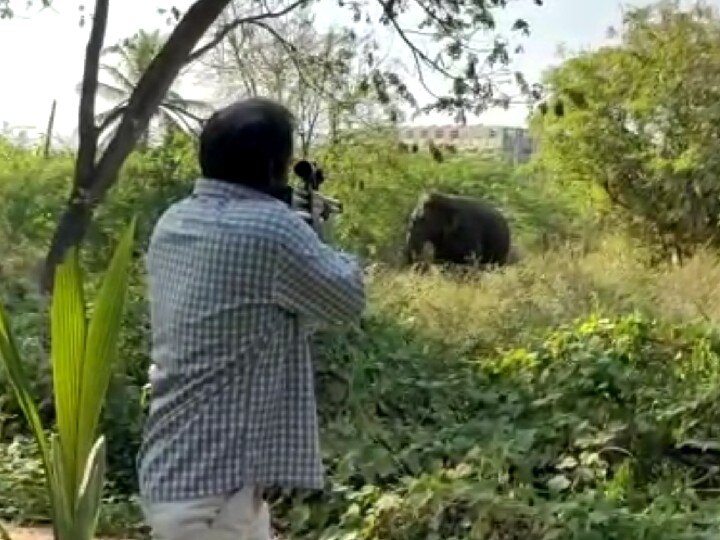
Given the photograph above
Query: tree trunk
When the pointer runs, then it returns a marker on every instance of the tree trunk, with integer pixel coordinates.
(95, 175)
(49, 131)
(334, 124)
(70, 231)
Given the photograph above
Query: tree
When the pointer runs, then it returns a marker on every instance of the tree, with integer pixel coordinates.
(317, 76)
(451, 24)
(640, 120)
(135, 55)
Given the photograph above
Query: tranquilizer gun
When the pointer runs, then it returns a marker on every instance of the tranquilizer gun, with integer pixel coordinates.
(312, 177)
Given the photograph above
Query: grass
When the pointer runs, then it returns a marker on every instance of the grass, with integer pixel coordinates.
(507, 308)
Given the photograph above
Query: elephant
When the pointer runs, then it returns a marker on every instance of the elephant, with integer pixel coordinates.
(459, 230)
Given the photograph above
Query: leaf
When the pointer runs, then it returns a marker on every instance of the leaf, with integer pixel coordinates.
(18, 380)
(68, 330)
(89, 495)
(102, 339)
(559, 483)
(299, 515)
(568, 462)
(521, 26)
(59, 478)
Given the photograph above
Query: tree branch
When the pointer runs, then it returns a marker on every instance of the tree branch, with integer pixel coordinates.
(143, 102)
(293, 54)
(418, 54)
(88, 134)
(225, 30)
(151, 89)
(111, 117)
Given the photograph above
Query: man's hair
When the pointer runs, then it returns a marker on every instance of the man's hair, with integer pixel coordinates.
(249, 142)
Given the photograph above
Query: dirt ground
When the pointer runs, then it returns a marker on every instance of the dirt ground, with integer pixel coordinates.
(31, 534)
(43, 534)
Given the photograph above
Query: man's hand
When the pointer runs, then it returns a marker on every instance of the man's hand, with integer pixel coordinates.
(316, 216)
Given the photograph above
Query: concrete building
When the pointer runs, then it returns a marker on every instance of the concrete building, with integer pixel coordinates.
(514, 143)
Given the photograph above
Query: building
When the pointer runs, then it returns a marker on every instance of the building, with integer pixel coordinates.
(514, 143)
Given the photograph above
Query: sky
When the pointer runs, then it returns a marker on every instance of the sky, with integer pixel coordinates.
(41, 53)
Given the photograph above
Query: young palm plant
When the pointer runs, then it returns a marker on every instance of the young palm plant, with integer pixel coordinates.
(82, 354)
(135, 55)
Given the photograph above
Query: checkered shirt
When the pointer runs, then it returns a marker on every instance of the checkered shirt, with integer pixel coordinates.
(238, 282)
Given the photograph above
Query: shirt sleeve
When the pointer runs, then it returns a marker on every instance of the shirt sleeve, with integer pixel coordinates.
(318, 283)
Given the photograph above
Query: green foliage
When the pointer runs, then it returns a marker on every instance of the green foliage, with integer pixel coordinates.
(21, 472)
(73, 459)
(380, 186)
(570, 438)
(639, 122)
(135, 55)
(23, 493)
(561, 398)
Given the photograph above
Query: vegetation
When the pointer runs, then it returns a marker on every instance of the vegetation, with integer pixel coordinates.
(82, 352)
(639, 122)
(135, 56)
(565, 397)
(321, 77)
(570, 396)
(470, 68)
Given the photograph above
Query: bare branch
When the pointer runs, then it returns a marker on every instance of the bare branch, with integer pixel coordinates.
(177, 117)
(418, 53)
(299, 67)
(88, 134)
(225, 30)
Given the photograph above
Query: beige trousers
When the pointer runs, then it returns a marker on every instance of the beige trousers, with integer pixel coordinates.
(241, 516)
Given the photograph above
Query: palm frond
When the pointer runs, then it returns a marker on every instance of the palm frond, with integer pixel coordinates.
(107, 118)
(112, 93)
(177, 120)
(120, 78)
(194, 105)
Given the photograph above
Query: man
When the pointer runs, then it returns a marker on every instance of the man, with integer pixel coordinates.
(238, 280)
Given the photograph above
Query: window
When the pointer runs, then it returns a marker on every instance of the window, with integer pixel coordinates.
(439, 133)
(455, 134)
(493, 133)
(423, 133)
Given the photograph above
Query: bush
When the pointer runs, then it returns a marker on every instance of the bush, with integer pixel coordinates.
(578, 434)
(619, 125)
(574, 435)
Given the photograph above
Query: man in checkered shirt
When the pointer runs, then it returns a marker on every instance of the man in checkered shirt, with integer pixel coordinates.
(238, 281)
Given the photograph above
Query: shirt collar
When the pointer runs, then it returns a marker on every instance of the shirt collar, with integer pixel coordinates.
(220, 188)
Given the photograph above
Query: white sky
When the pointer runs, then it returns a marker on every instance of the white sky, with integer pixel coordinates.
(41, 55)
